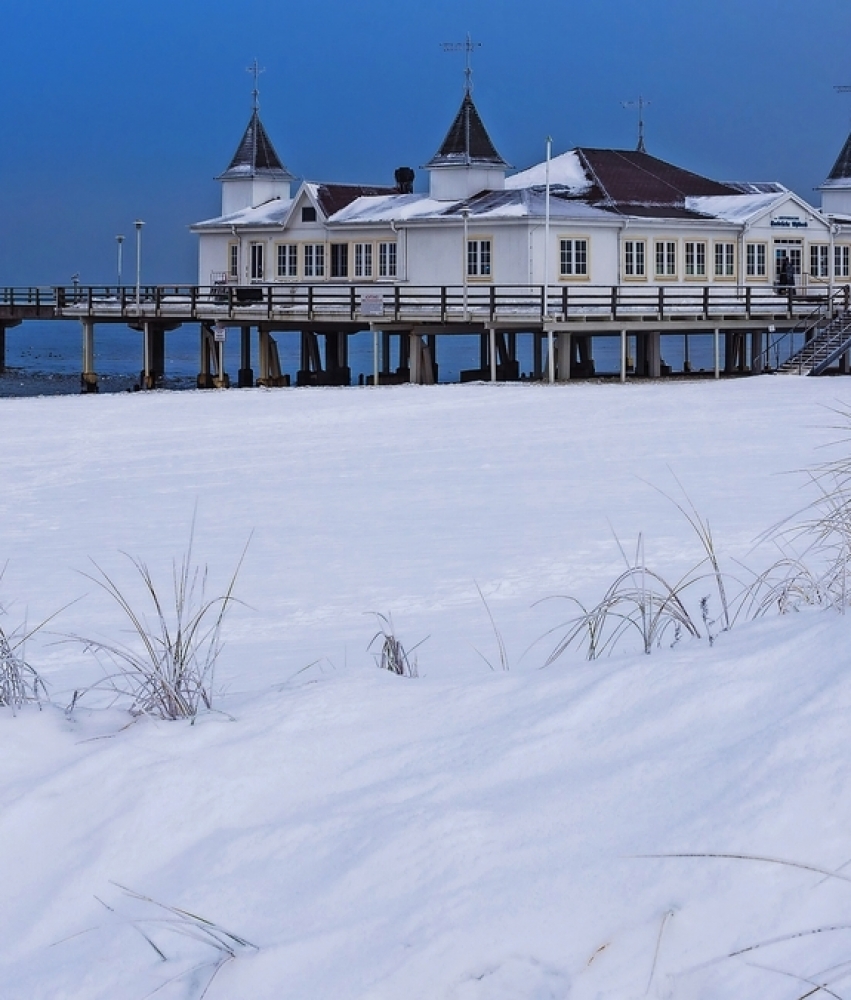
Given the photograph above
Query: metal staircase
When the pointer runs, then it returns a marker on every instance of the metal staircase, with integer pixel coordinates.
(828, 340)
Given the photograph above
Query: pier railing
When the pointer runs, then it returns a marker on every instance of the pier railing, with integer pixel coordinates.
(478, 304)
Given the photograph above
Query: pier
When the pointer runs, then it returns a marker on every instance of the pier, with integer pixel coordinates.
(406, 321)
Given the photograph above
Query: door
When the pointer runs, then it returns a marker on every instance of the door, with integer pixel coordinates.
(256, 261)
(788, 259)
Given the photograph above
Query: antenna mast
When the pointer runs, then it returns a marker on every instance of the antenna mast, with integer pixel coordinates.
(641, 104)
(467, 47)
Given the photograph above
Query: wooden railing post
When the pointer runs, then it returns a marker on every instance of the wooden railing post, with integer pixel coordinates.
(396, 303)
(614, 301)
(564, 301)
(352, 302)
(492, 303)
(661, 306)
(706, 301)
(310, 301)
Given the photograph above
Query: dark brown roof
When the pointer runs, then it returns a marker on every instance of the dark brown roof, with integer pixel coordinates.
(335, 197)
(842, 167)
(467, 142)
(629, 178)
(256, 155)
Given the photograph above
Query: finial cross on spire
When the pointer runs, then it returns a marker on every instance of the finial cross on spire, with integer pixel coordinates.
(842, 89)
(255, 70)
(468, 47)
(641, 104)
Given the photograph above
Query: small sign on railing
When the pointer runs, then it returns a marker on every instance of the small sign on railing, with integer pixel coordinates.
(372, 304)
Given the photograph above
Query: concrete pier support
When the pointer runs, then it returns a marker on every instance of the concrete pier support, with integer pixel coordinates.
(153, 356)
(537, 355)
(583, 361)
(653, 354)
(385, 353)
(212, 374)
(270, 361)
(420, 359)
(564, 357)
(88, 377)
(245, 374)
(734, 352)
(757, 356)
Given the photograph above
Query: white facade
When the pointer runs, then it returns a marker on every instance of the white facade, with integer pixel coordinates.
(476, 226)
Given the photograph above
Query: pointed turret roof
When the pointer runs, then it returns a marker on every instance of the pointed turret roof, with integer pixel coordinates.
(255, 156)
(467, 142)
(842, 168)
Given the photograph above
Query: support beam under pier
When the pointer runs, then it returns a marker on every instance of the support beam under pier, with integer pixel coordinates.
(88, 377)
(245, 374)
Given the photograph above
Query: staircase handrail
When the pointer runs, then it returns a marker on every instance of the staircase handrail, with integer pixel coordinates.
(824, 310)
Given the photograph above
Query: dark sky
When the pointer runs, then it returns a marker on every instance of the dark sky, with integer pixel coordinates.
(113, 111)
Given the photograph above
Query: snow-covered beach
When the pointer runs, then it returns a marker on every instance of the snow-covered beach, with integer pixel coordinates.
(473, 833)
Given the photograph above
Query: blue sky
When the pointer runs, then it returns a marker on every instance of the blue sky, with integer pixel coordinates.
(113, 111)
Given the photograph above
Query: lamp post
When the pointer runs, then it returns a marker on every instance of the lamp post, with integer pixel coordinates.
(138, 224)
(465, 215)
(120, 241)
(547, 232)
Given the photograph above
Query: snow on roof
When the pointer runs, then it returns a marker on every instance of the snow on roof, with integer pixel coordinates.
(519, 204)
(734, 207)
(269, 213)
(387, 208)
(566, 171)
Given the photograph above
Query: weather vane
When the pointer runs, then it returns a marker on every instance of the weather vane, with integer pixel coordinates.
(842, 90)
(641, 104)
(255, 70)
(467, 47)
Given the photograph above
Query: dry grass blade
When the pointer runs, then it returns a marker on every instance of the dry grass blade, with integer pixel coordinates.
(169, 671)
(639, 600)
(226, 945)
(392, 655)
(500, 644)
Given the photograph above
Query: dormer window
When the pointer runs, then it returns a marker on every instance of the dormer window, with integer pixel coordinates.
(308, 214)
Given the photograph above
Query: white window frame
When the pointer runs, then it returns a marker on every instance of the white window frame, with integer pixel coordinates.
(314, 260)
(480, 258)
(756, 260)
(695, 259)
(387, 259)
(573, 256)
(233, 261)
(665, 258)
(819, 260)
(841, 260)
(363, 260)
(725, 259)
(635, 259)
(257, 260)
(286, 260)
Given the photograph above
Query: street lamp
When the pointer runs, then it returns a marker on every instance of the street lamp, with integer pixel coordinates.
(138, 224)
(120, 241)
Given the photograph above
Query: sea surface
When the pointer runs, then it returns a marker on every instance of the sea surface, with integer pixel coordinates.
(45, 358)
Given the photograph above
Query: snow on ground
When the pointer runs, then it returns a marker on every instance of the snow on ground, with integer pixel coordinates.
(472, 834)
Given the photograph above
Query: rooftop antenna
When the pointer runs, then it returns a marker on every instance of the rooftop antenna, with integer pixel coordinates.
(641, 104)
(255, 70)
(467, 47)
